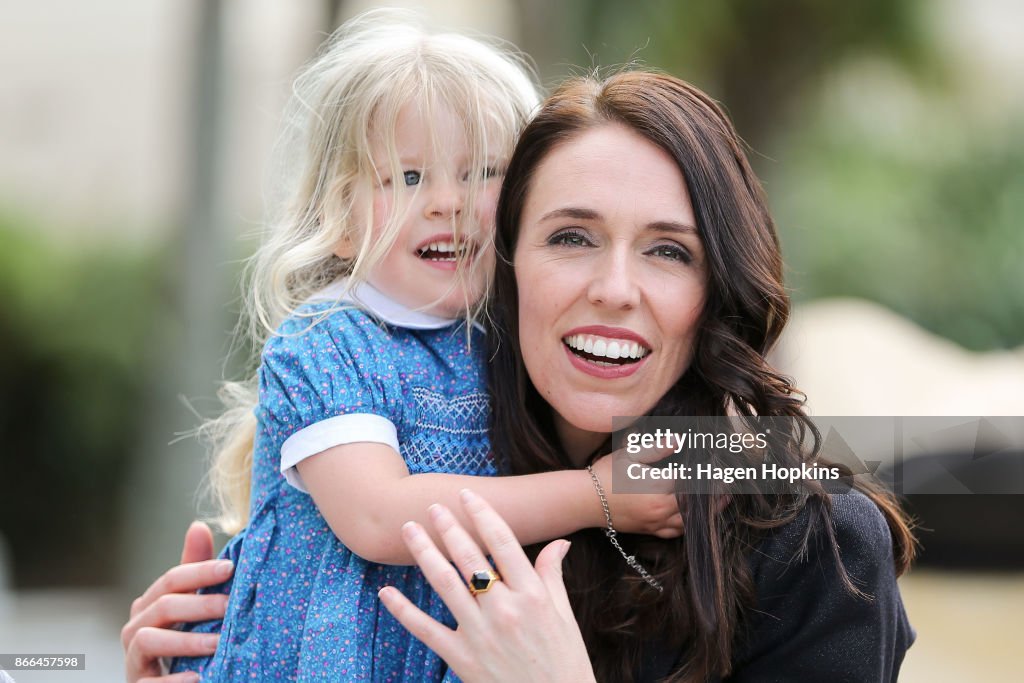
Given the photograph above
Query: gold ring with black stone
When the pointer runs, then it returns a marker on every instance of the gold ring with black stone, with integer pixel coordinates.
(481, 581)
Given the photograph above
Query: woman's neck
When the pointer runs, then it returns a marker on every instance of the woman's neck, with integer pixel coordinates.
(577, 443)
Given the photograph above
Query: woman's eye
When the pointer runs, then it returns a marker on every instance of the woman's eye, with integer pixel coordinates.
(570, 238)
(486, 173)
(412, 177)
(672, 252)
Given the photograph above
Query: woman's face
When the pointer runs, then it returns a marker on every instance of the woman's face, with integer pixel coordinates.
(611, 277)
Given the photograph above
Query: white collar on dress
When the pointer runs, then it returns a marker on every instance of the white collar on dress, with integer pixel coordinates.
(379, 305)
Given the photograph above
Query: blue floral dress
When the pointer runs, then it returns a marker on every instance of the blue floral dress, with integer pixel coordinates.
(303, 606)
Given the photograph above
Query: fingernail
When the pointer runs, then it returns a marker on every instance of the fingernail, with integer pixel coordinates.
(467, 496)
(224, 568)
(435, 511)
(210, 642)
(564, 550)
(410, 528)
(191, 677)
(384, 593)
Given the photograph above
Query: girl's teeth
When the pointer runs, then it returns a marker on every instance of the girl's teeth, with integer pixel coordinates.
(588, 345)
(600, 348)
(613, 350)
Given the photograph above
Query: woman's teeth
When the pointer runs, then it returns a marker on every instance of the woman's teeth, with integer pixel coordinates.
(443, 251)
(601, 349)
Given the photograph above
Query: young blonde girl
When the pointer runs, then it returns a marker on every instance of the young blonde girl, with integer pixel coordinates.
(371, 402)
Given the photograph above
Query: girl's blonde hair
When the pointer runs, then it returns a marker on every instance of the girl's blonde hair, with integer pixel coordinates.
(350, 94)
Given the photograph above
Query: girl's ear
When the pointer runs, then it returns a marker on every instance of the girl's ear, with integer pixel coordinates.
(345, 249)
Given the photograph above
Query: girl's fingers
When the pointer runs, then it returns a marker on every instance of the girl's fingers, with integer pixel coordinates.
(425, 628)
(508, 555)
(441, 575)
(646, 456)
(185, 578)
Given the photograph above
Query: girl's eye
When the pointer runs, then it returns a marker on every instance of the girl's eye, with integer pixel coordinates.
(672, 252)
(570, 238)
(412, 177)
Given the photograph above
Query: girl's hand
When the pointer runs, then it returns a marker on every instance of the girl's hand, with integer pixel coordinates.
(169, 600)
(522, 629)
(655, 513)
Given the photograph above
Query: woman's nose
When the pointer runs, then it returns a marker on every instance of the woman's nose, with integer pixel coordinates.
(445, 199)
(613, 282)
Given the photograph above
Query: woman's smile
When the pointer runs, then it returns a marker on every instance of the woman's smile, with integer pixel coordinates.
(611, 277)
(607, 352)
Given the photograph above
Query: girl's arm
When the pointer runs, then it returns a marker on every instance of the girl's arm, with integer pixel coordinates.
(366, 494)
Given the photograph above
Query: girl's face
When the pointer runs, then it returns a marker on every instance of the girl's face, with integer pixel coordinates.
(612, 280)
(430, 197)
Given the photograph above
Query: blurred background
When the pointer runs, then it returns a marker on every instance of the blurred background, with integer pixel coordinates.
(136, 137)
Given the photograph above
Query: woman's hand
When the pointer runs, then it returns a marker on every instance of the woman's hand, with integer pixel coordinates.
(655, 512)
(169, 600)
(522, 629)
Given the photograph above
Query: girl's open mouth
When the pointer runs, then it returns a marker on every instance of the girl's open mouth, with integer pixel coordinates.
(445, 251)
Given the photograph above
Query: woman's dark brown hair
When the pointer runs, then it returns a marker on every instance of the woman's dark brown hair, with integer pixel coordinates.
(705, 572)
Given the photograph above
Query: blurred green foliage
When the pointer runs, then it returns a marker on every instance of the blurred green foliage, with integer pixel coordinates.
(75, 327)
(927, 222)
(902, 190)
(758, 57)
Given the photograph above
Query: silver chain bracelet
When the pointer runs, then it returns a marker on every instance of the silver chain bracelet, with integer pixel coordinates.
(612, 535)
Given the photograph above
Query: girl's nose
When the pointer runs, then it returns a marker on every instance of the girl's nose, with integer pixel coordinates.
(613, 280)
(445, 199)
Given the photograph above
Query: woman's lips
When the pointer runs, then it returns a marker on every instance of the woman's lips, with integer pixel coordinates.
(604, 347)
(606, 352)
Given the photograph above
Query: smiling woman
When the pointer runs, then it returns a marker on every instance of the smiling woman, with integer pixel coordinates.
(619, 272)
(630, 215)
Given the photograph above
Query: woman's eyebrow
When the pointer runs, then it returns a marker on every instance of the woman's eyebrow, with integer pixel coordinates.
(572, 212)
(582, 214)
(670, 226)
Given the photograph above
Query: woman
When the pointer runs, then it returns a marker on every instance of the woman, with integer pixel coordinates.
(630, 216)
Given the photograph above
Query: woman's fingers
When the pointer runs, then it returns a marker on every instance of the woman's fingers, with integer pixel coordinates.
(183, 677)
(440, 574)
(172, 599)
(173, 609)
(549, 567)
(151, 643)
(432, 633)
(198, 543)
(185, 578)
(504, 548)
(463, 550)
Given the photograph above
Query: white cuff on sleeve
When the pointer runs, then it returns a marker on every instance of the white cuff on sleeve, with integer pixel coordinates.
(334, 431)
